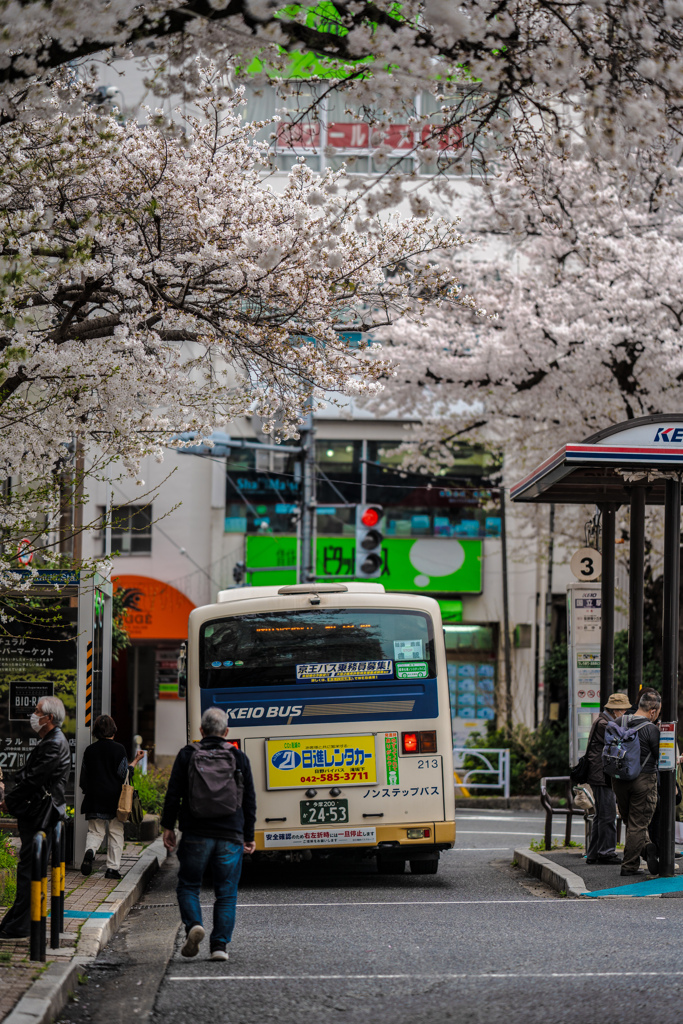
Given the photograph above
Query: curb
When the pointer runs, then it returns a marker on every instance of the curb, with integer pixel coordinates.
(49, 994)
(554, 875)
(96, 933)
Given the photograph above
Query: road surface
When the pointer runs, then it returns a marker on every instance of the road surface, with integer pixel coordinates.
(477, 943)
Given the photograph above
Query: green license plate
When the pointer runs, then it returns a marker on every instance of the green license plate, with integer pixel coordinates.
(324, 812)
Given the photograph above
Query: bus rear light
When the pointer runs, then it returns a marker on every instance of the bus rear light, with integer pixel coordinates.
(418, 742)
(236, 743)
(410, 742)
(428, 742)
(418, 833)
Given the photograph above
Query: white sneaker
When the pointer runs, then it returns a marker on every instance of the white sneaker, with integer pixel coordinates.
(219, 954)
(193, 940)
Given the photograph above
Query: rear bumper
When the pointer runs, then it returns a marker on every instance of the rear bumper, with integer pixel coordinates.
(442, 836)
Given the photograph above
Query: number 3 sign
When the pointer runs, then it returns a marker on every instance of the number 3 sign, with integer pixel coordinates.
(586, 564)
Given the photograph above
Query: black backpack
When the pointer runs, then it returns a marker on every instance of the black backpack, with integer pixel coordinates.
(215, 783)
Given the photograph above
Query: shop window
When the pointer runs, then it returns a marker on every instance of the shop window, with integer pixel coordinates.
(131, 530)
(339, 474)
(470, 655)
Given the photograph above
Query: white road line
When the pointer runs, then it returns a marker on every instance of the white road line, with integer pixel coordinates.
(496, 817)
(498, 832)
(426, 977)
(422, 903)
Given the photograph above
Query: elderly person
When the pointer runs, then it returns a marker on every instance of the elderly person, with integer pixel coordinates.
(602, 848)
(637, 799)
(103, 772)
(38, 800)
(218, 838)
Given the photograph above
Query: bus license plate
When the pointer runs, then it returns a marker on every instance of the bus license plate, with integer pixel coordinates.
(324, 812)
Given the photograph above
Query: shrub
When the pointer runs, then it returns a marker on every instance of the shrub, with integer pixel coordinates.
(152, 788)
(8, 871)
(533, 753)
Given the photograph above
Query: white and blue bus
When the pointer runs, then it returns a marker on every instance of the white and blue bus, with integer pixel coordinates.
(338, 694)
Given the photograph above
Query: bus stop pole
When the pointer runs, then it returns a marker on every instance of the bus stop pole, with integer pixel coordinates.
(608, 514)
(636, 596)
(672, 580)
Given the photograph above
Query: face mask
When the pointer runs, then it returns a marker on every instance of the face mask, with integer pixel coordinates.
(35, 722)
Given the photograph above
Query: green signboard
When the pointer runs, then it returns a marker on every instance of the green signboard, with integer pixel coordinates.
(421, 564)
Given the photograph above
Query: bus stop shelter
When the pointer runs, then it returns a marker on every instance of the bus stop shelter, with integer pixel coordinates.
(638, 462)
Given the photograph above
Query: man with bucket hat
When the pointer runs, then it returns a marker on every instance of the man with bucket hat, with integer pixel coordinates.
(602, 848)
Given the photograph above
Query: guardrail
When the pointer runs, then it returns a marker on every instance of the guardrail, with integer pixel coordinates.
(493, 762)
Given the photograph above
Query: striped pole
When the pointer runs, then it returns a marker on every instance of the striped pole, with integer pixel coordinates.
(43, 899)
(55, 898)
(37, 847)
(88, 686)
(62, 876)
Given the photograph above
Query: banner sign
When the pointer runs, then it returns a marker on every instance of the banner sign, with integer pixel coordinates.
(345, 671)
(415, 564)
(322, 837)
(313, 761)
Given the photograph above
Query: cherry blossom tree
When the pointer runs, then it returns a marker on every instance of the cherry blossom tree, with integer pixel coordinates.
(155, 284)
(590, 330)
(515, 78)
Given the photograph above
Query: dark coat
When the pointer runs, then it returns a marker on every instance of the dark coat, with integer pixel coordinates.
(103, 772)
(46, 771)
(238, 827)
(596, 776)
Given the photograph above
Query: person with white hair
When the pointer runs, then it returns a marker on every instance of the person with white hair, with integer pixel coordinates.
(38, 800)
(211, 794)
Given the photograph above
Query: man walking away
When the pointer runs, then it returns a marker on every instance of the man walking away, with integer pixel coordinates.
(38, 800)
(637, 798)
(602, 848)
(211, 795)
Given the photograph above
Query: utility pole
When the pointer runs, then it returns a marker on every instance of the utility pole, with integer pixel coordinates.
(506, 613)
(548, 614)
(308, 501)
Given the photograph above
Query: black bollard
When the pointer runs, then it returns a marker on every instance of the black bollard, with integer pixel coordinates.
(56, 894)
(43, 899)
(62, 870)
(37, 942)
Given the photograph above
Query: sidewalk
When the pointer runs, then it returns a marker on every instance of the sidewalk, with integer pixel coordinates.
(85, 901)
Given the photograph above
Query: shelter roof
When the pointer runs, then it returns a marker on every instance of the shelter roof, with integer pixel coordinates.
(605, 466)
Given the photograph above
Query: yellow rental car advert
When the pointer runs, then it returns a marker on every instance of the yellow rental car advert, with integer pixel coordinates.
(313, 761)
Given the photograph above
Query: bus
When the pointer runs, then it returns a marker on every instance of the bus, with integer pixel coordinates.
(338, 694)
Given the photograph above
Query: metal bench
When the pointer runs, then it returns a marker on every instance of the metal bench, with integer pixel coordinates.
(569, 811)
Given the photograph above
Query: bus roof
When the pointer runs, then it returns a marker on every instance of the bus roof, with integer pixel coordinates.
(249, 593)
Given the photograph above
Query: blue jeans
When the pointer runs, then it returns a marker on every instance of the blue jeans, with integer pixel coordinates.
(195, 854)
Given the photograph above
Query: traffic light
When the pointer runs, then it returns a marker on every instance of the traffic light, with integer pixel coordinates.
(368, 541)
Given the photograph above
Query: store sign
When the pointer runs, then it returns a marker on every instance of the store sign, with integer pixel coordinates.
(426, 564)
(37, 659)
(153, 610)
(23, 698)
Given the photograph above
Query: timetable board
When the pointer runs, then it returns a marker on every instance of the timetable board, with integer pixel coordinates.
(584, 613)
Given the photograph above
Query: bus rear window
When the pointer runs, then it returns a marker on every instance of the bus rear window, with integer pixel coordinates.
(325, 646)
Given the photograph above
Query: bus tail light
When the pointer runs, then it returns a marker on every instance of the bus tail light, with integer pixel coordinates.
(418, 742)
(410, 742)
(428, 742)
(236, 743)
(418, 833)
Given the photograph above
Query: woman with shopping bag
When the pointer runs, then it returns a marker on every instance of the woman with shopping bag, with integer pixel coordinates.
(104, 771)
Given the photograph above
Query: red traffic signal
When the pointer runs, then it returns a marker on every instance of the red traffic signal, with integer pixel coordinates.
(368, 541)
(371, 516)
